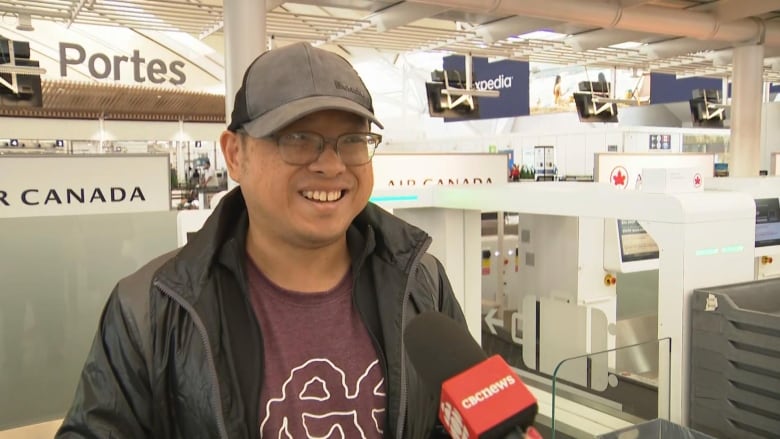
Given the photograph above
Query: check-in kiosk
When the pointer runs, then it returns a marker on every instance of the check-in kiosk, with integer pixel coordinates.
(765, 192)
(631, 255)
(704, 238)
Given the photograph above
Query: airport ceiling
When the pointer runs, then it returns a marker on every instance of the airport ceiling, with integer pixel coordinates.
(682, 37)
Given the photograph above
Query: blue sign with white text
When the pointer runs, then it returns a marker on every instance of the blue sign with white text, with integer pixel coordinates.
(774, 89)
(666, 88)
(509, 77)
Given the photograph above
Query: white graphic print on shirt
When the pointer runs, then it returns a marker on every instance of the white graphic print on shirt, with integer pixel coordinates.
(323, 399)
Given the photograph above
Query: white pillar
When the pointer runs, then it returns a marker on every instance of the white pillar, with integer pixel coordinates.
(245, 39)
(613, 90)
(767, 92)
(746, 106)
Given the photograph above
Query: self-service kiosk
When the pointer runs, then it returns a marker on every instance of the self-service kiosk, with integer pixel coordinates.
(766, 195)
(566, 310)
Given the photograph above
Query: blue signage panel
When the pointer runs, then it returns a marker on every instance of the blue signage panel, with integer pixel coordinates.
(665, 88)
(509, 77)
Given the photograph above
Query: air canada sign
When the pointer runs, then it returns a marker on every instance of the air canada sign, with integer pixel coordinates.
(61, 185)
(431, 169)
(43, 196)
(431, 181)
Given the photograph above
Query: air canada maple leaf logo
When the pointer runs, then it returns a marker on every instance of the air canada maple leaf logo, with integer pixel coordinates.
(619, 177)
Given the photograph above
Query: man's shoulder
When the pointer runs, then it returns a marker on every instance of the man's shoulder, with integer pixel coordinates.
(138, 284)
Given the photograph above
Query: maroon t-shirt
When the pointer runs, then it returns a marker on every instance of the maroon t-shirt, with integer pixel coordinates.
(321, 374)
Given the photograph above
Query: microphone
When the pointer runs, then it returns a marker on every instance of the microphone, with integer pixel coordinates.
(481, 397)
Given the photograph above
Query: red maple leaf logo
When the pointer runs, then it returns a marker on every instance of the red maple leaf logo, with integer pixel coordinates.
(697, 180)
(619, 179)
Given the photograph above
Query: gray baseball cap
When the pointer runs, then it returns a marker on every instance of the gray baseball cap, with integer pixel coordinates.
(285, 84)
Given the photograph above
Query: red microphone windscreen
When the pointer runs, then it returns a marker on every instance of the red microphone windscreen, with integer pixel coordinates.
(480, 396)
(488, 400)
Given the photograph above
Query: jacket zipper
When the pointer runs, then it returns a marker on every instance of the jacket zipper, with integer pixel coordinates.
(407, 294)
(377, 346)
(217, 404)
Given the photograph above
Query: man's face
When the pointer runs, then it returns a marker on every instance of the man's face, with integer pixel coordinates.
(284, 201)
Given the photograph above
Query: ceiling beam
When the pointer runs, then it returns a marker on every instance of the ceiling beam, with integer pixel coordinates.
(650, 18)
(680, 46)
(443, 44)
(715, 72)
(357, 28)
(220, 24)
(602, 38)
(45, 13)
(730, 10)
(216, 27)
(675, 62)
(273, 4)
(631, 3)
(75, 13)
(507, 27)
(401, 14)
(607, 59)
(773, 63)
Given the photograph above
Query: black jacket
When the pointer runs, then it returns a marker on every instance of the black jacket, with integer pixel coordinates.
(178, 352)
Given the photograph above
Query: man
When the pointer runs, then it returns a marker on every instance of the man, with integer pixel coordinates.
(284, 315)
(209, 177)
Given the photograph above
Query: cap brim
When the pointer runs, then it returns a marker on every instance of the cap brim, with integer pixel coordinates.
(280, 117)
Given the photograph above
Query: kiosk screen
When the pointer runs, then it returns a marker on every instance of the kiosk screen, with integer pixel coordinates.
(767, 222)
(635, 243)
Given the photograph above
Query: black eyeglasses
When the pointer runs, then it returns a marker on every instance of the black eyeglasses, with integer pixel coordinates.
(303, 148)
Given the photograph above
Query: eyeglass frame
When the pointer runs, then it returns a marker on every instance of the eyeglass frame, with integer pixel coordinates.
(323, 141)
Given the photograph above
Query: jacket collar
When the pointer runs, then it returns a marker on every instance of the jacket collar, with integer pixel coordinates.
(222, 239)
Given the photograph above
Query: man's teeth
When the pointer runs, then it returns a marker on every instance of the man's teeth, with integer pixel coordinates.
(322, 195)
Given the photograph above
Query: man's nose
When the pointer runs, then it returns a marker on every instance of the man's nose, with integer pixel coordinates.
(329, 159)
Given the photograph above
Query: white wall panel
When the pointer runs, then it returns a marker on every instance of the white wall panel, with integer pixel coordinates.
(569, 154)
(770, 136)
(34, 128)
(128, 130)
(89, 129)
(201, 131)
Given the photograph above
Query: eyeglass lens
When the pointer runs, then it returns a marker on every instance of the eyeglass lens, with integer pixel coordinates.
(305, 148)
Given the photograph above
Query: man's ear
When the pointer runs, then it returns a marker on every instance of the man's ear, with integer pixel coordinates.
(230, 143)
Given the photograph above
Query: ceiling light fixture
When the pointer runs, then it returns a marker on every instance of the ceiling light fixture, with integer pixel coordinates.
(542, 35)
(628, 45)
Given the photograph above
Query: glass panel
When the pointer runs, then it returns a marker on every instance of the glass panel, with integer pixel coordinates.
(56, 274)
(552, 313)
(637, 387)
(717, 144)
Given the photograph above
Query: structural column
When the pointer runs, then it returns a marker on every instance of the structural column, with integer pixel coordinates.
(746, 107)
(245, 38)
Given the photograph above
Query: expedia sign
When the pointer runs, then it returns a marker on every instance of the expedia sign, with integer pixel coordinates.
(499, 83)
(509, 77)
(426, 170)
(81, 185)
